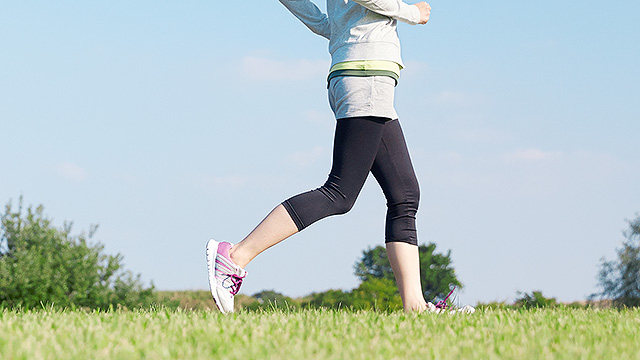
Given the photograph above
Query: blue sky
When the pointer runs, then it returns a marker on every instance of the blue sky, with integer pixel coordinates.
(170, 123)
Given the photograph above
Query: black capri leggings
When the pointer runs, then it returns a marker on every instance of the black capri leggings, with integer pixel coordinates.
(364, 144)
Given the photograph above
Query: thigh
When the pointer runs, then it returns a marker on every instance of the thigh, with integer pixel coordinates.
(392, 166)
(355, 148)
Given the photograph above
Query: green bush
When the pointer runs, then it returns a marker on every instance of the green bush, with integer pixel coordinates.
(372, 294)
(41, 265)
(330, 299)
(534, 300)
(493, 305)
(269, 299)
(376, 294)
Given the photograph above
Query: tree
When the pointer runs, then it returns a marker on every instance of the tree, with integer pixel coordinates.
(44, 265)
(374, 264)
(436, 271)
(619, 280)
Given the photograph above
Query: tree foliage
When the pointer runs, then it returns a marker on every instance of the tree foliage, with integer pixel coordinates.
(43, 265)
(374, 263)
(436, 270)
(619, 279)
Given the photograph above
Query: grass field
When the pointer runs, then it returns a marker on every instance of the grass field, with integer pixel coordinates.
(202, 334)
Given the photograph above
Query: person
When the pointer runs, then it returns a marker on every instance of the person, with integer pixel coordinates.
(365, 68)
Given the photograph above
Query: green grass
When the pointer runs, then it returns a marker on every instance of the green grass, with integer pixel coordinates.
(491, 334)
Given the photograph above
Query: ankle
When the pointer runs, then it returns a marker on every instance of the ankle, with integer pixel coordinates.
(236, 256)
(415, 307)
(414, 303)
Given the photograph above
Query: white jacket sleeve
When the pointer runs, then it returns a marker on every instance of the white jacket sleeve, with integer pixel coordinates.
(396, 9)
(310, 15)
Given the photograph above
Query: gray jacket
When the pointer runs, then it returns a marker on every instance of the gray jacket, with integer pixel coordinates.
(357, 29)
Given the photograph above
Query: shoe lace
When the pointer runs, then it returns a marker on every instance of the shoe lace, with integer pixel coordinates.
(236, 282)
(443, 304)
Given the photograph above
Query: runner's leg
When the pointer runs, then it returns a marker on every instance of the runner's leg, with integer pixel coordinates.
(355, 147)
(394, 172)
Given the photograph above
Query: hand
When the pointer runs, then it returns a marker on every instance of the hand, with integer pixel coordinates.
(425, 11)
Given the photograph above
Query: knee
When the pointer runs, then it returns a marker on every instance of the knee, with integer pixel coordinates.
(405, 203)
(343, 205)
(339, 201)
(412, 196)
(409, 205)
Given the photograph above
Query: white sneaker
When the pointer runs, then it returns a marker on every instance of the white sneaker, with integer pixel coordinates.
(467, 309)
(443, 307)
(225, 277)
(433, 309)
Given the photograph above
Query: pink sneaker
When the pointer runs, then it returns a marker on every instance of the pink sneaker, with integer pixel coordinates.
(225, 277)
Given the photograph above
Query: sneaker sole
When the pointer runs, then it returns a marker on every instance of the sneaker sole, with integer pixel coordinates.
(212, 251)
